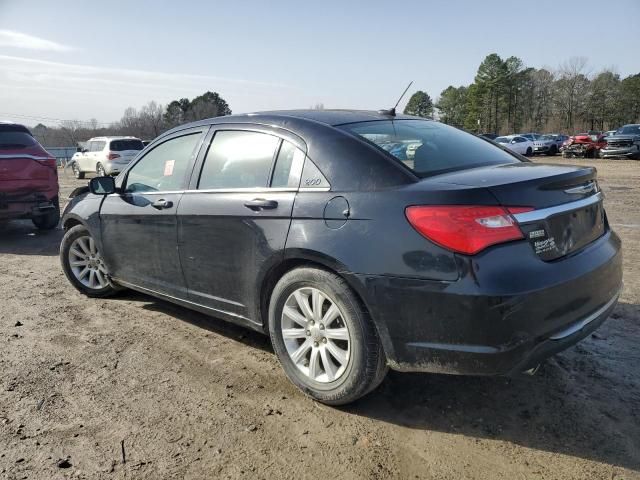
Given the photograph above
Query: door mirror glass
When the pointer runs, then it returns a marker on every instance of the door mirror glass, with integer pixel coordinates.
(102, 185)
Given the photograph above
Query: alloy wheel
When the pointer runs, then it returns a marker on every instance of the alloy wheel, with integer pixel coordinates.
(315, 334)
(86, 263)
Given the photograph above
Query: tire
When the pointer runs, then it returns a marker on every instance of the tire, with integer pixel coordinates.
(76, 171)
(552, 151)
(364, 366)
(50, 220)
(529, 152)
(83, 284)
(100, 170)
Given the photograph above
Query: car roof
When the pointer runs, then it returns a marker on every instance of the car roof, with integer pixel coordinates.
(95, 139)
(281, 118)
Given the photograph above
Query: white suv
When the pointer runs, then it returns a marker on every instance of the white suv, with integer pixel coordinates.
(105, 155)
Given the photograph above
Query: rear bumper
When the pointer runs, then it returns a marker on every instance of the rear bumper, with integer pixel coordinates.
(508, 311)
(25, 205)
(114, 168)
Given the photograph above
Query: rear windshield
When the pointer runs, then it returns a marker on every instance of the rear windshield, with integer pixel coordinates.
(16, 140)
(122, 145)
(429, 147)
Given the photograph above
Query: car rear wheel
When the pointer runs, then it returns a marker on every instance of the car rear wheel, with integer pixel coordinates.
(76, 171)
(324, 339)
(552, 151)
(50, 220)
(529, 152)
(83, 265)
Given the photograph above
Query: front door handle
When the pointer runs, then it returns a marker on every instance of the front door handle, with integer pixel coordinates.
(258, 204)
(162, 204)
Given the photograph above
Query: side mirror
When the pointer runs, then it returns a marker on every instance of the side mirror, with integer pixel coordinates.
(102, 185)
(512, 141)
(84, 150)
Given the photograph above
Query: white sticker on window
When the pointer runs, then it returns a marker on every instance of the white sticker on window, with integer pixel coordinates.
(168, 167)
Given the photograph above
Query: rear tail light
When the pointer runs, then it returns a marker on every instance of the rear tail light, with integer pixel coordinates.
(112, 156)
(466, 229)
(49, 162)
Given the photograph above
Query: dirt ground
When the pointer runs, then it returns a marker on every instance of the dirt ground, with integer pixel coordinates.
(134, 387)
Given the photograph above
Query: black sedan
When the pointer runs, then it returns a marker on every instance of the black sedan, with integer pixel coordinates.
(359, 241)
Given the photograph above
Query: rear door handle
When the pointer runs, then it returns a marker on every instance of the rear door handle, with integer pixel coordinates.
(162, 204)
(258, 204)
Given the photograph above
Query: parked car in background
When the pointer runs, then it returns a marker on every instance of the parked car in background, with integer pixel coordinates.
(28, 178)
(517, 143)
(279, 222)
(624, 143)
(549, 144)
(585, 145)
(489, 136)
(529, 136)
(105, 155)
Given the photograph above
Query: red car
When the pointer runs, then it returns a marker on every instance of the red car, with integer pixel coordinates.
(28, 178)
(586, 145)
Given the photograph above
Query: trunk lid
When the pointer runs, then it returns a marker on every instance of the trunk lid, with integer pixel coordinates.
(567, 205)
(24, 169)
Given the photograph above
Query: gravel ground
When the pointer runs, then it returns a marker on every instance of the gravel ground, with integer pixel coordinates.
(133, 387)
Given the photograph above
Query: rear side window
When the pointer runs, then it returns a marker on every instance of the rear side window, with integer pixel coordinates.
(164, 167)
(97, 146)
(286, 173)
(429, 147)
(123, 145)
(238, 159)
(15, 139)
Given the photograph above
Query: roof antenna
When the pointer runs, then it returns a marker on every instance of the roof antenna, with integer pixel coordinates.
(392, 111)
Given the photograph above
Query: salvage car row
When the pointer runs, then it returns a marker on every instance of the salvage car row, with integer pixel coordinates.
(624, 143)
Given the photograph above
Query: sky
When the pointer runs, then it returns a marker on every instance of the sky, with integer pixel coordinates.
(65, 59)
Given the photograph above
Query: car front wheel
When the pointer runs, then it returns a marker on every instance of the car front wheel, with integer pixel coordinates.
(324, 340)
(76, 171)
(83, 265)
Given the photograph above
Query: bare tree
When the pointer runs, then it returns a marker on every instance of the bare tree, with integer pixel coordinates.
(71, 129)
(571, 89)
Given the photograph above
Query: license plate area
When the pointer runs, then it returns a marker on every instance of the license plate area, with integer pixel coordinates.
(565, 232)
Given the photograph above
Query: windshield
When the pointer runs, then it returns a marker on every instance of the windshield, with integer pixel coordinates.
(16, 140)
(502, 140)
(122, 145)
(429, 147)
(548, 137)
(630, 130)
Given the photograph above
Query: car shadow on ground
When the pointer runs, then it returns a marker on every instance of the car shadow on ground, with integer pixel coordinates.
(247, 336)
(21, 237)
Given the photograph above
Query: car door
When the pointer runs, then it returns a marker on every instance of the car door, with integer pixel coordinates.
(138, 224)
(234, 219)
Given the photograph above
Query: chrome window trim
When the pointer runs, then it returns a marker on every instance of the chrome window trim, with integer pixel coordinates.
(544, 213)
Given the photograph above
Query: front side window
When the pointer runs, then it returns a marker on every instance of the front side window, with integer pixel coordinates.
(163, 168)
(238, 159)
(429, 147)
